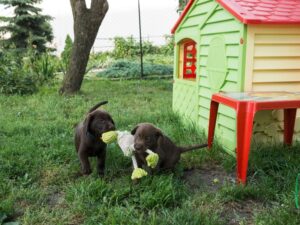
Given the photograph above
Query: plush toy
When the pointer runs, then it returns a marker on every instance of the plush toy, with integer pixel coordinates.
(152, 159)
(138, 173)
(109, 137)
(126, 143)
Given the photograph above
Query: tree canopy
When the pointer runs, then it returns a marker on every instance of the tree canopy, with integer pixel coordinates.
(27, 26)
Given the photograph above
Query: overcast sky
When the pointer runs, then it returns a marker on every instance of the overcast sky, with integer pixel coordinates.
(158, 17)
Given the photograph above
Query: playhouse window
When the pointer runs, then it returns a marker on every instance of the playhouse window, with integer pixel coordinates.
(189, 60)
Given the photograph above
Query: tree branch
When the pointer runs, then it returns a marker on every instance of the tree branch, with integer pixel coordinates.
(78, 6)
(99, 6)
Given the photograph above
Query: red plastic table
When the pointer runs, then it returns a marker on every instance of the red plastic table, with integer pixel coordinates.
(246, 105)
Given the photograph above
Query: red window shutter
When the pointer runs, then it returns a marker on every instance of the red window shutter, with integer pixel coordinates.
(189, 60)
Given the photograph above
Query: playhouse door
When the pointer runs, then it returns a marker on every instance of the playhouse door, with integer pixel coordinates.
(217, 64)
(213, 79)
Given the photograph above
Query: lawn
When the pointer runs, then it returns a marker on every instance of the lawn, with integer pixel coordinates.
(41, 184)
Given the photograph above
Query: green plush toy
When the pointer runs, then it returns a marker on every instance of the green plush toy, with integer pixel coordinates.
(109, 137)
(152, 159)
(138, 173)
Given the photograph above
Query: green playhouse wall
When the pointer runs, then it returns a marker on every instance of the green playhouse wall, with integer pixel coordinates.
(220, 67)
(185, 93)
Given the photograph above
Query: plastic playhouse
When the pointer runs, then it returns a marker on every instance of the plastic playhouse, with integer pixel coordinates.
(235, 45)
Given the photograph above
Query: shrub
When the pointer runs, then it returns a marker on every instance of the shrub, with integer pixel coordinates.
(128, 69)
(159, 59)
(43, 66)
(66, 55)
(168, 48)
(129, 48)
(100, 60)
(46, 67)
(14, 81)
(23, 74)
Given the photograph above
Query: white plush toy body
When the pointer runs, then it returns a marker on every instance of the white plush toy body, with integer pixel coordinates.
(125, 141)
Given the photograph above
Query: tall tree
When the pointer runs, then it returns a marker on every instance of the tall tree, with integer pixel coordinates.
(27, 26)
(86, 25)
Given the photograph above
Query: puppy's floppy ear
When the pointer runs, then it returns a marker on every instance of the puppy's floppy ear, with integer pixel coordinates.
(159, 137)
(158, 132)
(134, 130)
(87, 122)
(113, 122)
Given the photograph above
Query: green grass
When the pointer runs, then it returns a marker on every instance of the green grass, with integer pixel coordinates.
(39, 167)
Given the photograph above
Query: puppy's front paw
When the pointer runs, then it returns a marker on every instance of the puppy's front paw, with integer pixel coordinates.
(86, 171)
(101, 174)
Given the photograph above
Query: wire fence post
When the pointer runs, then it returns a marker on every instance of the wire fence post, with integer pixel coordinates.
(141, 43)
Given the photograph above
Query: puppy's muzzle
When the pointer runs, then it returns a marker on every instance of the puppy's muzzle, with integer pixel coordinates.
(138, 147)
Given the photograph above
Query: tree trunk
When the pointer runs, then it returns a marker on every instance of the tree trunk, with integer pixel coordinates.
(86, 26)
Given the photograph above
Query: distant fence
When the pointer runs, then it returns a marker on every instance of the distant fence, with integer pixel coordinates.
(107, 43)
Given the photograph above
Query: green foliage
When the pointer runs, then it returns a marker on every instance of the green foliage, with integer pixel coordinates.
(125, 47)
(129, 48)
(27, 24)
(149, 48)
(100, 60)
(16, 82)
(66, 54)
(182, 4)
(13, 78)
(43, 66)
(129, 69)
(168, 48)
(24, 74)
(159, 59)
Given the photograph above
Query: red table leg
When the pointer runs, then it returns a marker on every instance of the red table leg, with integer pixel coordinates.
(212, 122)
(289, 124)
(245, 117)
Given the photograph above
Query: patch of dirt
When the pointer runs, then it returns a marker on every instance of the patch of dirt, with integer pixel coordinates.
(211, 178)
(55, 198)
(208, 178)
(235, 212)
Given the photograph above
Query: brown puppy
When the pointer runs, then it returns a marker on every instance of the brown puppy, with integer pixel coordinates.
(147, 136)
(87, 138)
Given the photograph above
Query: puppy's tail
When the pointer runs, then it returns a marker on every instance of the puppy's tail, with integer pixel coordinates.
(193, 147)
(97, 106)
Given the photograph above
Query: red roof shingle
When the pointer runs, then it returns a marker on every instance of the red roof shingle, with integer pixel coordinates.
(257, 11)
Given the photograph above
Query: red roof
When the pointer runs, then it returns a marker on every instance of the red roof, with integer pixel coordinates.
(258, 11)
(264, 11)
